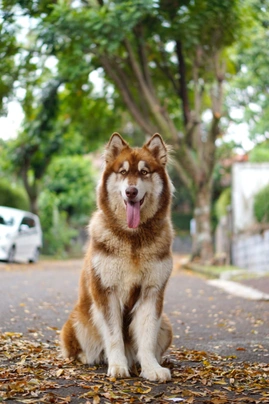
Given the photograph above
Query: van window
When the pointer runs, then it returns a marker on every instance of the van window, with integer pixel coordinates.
(28, 221)
(6, 222)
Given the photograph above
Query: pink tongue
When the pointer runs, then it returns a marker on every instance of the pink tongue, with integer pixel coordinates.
(133, 214)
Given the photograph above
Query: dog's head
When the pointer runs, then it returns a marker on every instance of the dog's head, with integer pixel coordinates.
(135, 185)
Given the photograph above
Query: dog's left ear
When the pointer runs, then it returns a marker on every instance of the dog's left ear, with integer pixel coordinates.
(158, 148)
(115, 145)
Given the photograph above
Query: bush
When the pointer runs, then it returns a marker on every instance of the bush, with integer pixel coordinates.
(224, 200)
(181, 221)
(72, 179)
(259, 155)
(66, 203)
(57, 234)
(13, 196)
(261, 205)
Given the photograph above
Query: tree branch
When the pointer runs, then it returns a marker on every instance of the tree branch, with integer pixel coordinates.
(183, 175)
(142, 53)
(217, 98)
(183, 92)
(166, 71)
(117, 75)
(166, 126)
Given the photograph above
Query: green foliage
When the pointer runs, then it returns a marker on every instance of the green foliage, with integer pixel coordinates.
(181, 221)
(12, 195)
(41, 137)
(57, 233)
(260, 153)
(249, 88)
(8, 50)
(226, 150)
(223, 202)
(104, 27)
(261, 205)
(91, 119)
(66, 202)
(72, 180)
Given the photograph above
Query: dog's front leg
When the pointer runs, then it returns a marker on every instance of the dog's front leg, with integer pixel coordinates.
(146, 328)
(113, 338)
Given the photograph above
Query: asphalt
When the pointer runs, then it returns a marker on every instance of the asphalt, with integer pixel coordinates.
(35, 300)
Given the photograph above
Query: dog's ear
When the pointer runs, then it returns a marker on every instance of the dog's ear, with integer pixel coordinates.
(158, 148)
(115, 145)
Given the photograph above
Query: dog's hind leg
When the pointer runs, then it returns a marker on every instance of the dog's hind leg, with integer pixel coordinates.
(165, 337)
(70, 346)
(130, 353)
(80, 339)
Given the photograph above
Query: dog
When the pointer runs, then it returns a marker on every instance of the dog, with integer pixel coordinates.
(118, 318)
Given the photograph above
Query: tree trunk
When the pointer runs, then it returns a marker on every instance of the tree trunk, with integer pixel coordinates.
(202, 239)
(33, 204)
(31, 190)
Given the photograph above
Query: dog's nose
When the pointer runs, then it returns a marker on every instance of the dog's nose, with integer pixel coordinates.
(131, 192)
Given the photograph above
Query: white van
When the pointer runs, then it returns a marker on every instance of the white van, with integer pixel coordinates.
(20, 235)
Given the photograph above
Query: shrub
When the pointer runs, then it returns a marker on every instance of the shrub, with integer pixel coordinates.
(181, 221)
(261, 205)
(72, 179)
(224, 200)
(13, 196)
(259, 155)
(66, 203)
(57, 234)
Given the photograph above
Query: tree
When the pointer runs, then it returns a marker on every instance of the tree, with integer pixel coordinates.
(167, 59)
(31, 152)
(163, 57)
(8, 50)
(249, 90)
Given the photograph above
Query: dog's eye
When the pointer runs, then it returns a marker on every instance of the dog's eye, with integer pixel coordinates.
(123, 172)
(144, 172)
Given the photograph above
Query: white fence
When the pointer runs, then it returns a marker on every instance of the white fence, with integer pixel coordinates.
(251, 251)
(247, 180)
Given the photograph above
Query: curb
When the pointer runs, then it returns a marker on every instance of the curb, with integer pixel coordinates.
(236, 289)
(228, 280)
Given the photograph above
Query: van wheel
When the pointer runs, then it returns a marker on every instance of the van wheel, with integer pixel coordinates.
(36, 256)
(11, 254)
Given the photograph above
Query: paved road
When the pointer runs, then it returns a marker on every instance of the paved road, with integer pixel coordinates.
(36, 299)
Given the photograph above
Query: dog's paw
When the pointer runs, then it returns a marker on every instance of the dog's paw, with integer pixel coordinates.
(118, 371)
(156, 374)
(82, 358)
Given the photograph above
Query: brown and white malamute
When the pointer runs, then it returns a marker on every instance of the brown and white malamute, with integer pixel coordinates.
(118, 316)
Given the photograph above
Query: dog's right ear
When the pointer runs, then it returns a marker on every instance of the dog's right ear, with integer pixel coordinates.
(114, 147)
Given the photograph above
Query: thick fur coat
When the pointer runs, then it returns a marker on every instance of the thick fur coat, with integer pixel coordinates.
(118, 317)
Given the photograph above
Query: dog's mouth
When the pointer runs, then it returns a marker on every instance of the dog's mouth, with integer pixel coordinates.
(133, 212)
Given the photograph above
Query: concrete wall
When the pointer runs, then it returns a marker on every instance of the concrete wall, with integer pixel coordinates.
(251, 251)
(247, 180)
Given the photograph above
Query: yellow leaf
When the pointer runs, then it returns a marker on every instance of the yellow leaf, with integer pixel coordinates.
(59, 372)
(96, 400)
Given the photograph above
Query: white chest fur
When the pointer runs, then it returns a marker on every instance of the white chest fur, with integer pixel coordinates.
(122, 275)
